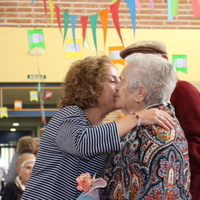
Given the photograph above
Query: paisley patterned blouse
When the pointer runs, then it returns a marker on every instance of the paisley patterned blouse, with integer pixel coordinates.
(153, 164)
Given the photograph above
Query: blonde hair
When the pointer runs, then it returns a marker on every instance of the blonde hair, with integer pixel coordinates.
(25, 145)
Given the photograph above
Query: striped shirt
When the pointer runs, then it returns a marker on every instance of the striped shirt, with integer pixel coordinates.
(70, 146)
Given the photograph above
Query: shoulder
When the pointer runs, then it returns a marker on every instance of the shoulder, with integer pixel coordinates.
(69, 111)
(185, 86)
(11, 186)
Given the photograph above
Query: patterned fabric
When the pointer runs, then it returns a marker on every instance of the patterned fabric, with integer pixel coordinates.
(69, 133)
(153, 164)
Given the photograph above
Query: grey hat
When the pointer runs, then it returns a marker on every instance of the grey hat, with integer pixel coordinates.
(145, 45)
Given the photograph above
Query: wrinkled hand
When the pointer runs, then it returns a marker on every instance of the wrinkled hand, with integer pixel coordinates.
(155, 116)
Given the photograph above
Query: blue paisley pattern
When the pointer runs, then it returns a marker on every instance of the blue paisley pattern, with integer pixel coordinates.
(153, 164)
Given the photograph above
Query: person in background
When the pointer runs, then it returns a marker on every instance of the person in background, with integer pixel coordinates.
(153, 163)
(37, 145)
(24, 145)
(186, 101)
(14, 190)
(75, 141)
(2, 177)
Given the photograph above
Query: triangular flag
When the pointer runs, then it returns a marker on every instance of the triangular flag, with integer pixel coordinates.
(114, 8)
(57, 9)
(132, 9)
(138, 4)
(152, 4)
(3, 112)
(169, 5)
(73, 23)
(104, 21)
(66, 22)
(84, 21)
(93, 22)
(45, 6)
(48, 95)
(175, 7)
(196, 8)
(51, 5)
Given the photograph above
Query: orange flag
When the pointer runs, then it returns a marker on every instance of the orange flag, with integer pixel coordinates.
(104, 21)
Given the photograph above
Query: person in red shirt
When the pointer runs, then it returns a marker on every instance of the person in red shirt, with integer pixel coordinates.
(186, 101)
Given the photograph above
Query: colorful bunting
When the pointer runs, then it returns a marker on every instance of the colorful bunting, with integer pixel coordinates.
(138, 4)
(45, 6)
(175, 7)
(18, 105)
(169, 5)
(51, 5)
(93, 22)
(132, 9)
(114, 8)
(73, 23)
(33, 95)
(84, 22)
(36, 38)
(3, 112)
(196, 8)
(104, 21)
(114, 54)
(180, 62)
(152, 4)
(66, 22)
(57, 9)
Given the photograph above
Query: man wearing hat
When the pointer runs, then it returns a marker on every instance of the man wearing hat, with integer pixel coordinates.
(14, 190)
(186, 101)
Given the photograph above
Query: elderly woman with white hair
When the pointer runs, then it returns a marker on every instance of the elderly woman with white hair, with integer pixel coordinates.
(153, 162)
(14, 190)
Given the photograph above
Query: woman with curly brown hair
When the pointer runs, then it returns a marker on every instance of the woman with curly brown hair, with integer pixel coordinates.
(24, 145)
(75, 141)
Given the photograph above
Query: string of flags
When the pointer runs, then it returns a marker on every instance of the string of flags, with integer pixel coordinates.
(172, 6)
(35, 95)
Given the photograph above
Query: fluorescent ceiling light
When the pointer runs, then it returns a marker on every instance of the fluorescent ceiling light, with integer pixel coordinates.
(13, 129)
(15, 124)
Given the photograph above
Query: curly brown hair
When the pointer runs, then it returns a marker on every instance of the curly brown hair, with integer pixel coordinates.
(25, 145)
(83, 83)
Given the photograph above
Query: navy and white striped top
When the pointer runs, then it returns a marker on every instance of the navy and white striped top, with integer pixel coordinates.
(70, 146)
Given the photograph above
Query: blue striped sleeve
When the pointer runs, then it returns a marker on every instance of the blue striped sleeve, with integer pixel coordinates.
(85, 141)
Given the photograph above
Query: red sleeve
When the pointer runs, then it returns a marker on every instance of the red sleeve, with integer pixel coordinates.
(186, 101)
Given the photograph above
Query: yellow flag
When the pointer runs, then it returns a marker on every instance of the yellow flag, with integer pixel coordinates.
(33, 95)
(3, 112)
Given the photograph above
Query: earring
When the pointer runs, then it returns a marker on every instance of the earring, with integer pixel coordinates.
(137, 101)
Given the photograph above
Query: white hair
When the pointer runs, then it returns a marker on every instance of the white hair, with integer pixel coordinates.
(154, 73)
